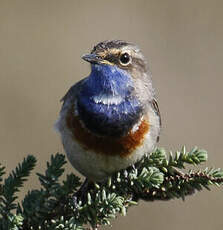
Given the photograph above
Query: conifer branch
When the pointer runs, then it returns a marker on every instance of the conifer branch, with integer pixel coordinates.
(58, 205)
(14, 182)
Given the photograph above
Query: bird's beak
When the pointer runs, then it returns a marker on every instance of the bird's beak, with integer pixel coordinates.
(92, 58)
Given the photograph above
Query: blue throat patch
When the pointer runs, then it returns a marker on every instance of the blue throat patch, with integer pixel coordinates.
(116, 118)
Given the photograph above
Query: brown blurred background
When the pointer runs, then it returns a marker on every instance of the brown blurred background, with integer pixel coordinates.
(41, 43)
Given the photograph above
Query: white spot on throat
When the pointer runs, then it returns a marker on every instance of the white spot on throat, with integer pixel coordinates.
(108, 99)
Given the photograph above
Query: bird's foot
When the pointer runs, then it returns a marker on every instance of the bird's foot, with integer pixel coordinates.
(81, 194)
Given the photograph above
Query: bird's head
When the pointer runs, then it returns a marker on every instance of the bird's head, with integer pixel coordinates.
(118, 53)
(122, 64)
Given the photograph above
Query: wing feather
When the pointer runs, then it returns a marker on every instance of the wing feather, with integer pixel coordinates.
(157, 111)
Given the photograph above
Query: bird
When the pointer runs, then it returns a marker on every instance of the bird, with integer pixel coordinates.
(110, 119)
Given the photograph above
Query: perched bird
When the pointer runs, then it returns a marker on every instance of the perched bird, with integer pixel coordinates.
(110, 119)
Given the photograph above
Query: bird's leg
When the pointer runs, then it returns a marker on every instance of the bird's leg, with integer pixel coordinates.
(82, 192)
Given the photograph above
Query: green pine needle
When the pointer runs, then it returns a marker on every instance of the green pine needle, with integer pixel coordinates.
(14, 182)
(53, 172)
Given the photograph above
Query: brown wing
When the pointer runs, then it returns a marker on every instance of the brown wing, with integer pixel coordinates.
(156, 109)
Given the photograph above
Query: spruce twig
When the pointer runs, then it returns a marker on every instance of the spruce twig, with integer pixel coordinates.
(14, 182)
(11, 185)
(156, 177)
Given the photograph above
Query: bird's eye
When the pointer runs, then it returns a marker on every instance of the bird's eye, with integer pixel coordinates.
(125, 59)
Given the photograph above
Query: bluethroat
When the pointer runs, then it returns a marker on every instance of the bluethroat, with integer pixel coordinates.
(110, 119)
